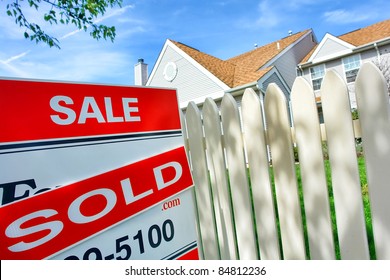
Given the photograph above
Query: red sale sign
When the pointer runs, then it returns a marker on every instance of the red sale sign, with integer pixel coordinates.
(57, 110)
(89, 165)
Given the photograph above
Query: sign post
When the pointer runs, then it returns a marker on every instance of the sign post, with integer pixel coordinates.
(93, 172)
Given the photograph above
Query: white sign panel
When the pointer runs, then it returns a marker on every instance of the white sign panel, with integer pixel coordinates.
(93, 172)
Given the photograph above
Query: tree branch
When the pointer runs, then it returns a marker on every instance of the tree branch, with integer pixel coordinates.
(81, 13)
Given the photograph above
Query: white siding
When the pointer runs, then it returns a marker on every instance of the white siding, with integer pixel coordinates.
(328, 48)
(337, 65)
(287, 63)
(191, 83)
(274, 78)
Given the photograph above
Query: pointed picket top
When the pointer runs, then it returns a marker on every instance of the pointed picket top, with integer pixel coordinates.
(243, 215)
(315, 189)
(219, 180)
(280, 139)
(373, 106)
(208, 234)
(255, 142)
(345, 172)
(184, 130)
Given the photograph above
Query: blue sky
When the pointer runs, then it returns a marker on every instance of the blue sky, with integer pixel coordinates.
(223, 28)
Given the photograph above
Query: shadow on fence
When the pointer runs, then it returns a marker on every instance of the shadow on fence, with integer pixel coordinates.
(250, 209)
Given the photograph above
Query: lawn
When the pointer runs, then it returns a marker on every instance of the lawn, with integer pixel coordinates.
(365, 198)
(366, 204)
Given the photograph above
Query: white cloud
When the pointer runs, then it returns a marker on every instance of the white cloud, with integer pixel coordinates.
(342, 16)
(81, 58)
(84, 64)
(7, 65)
(87, 66)
(265, 16)
(298, 4)
(12, 70)
(358, 12)
(268, 15)
(179, 12)
(113, 13)
(272, 13)
(15, 57)
(225, 27)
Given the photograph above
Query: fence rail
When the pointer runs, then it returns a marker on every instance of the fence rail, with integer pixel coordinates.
(244, 212)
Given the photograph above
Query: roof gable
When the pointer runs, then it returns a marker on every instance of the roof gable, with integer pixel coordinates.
(219, 68)
(245, 68)
(357, 38)
(252, 65)
(183, 51)
(330, 46)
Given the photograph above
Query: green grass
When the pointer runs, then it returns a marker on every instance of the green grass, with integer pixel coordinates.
(365, 198)
(367, 209)
(366, 204)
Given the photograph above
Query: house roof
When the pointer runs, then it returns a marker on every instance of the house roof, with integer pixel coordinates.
(219, 68)
(368, 34)
(362, 36)
(245, 68)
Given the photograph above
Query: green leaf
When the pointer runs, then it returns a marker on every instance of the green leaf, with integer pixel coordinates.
(80, 13)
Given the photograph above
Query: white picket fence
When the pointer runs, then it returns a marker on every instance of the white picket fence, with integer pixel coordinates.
(244, 214)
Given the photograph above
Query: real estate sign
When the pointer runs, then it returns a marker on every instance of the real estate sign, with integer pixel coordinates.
(93, 172)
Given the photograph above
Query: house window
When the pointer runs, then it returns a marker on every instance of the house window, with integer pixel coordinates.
(351, 67)
(317, 73)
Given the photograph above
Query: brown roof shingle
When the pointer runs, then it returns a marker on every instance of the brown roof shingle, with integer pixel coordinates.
(368, 34)
(362, 36)
(219, 68)
(245, 68)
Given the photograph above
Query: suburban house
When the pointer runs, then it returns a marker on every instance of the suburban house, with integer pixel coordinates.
(197, 75)
(345, 54)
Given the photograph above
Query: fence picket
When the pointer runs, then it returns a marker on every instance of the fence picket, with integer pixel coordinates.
(207, 225)
(219, 180)
(227, 222)
(308, 138)
(255, 143)
(243, 215)
(279, 135)
(373, 106)
(345, 173)
(184, 131)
